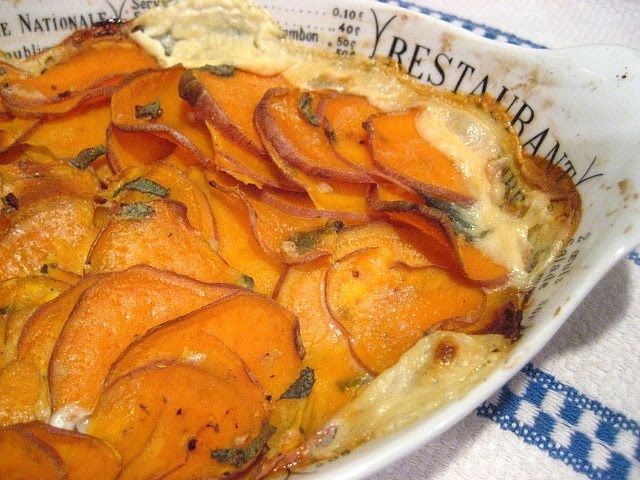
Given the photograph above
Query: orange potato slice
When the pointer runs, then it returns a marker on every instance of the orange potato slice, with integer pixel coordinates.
(138, 299)
(25, 457)
(344, 115)
(287, 121)
(159, 234)
(338, 374)
(288, 237)
(401, 153)
(13, 130)
(68, 135)
(24, 396)
(81, 454)
(132, 185)
(270, 346)
(216, 99)
(229, 118)
(43, 326)
(130, 149)
(406, 243)
(236, 242)
(170, 118)
(438, 228)
(55, 230)
(20, 297)
(28, 180)
(386, 306)
(158, 415)
(89, 67)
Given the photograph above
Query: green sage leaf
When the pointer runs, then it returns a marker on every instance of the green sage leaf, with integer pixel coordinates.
(301, 388)
(87, 156)
(149, 111)
(143, 185)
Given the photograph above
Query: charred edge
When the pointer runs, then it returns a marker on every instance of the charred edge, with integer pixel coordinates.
(508, 323)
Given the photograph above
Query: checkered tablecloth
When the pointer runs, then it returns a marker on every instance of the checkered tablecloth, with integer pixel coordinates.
(574, 411)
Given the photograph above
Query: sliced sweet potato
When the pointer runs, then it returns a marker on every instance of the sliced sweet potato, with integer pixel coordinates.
(156, 416)
(24, 457)
(439, 229)
(400, 152)
(23, 395)
(150, 103)
(158, 233)
(130, 149)
(331, 192)
(407, 244)
(338, 374)
(42, 328)
(182, 342)
(216, 98)
(160, 180)
(229, 118)
(262, 333)
(54, 230)
(332, 195)
(287, 121)
(20, 297)
(28, 181)
(246, 166)
(81, 454)
(287, 237)
(387, 306)
(343, 115)
(236, 242)
(72, 80)
(68, 135)
(14, 129)
(109, 315)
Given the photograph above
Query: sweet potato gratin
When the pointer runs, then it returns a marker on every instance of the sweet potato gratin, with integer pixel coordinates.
(223, 255)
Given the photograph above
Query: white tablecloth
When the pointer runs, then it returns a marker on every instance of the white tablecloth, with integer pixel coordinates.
(574, 411)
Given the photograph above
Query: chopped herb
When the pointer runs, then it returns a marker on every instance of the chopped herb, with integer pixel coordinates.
(3, 70)
(63, 95)
(44, 269)
(240, 456)
(133, 211)
(191, 444)
(330, 133)
(301, 388)
(304, 106)
(143, 185)
(247, 282)
(305, 241)
(4, 310)
(149, 111)
(11, 201)
(355, 382)
(220, 70)
(458, 215)
(87, 156)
